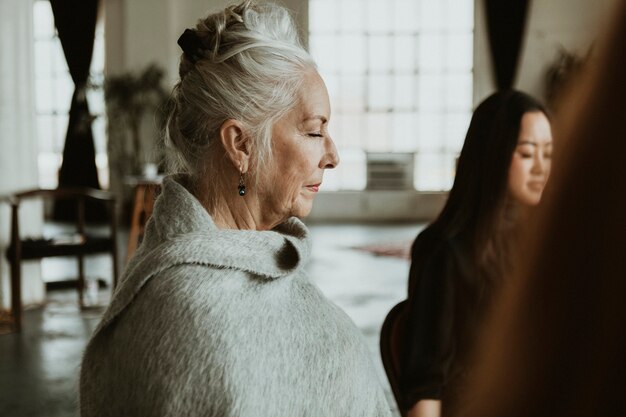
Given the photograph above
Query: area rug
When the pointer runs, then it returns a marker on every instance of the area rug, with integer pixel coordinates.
(400, 250)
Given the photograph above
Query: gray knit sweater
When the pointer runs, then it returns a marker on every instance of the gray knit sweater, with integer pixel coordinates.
(210, 322)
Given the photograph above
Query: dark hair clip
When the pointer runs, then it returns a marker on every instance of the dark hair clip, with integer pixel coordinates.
(191, 45)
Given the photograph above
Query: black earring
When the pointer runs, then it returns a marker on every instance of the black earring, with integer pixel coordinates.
(242, 186)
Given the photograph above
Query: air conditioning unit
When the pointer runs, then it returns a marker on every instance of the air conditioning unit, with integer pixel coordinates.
(390, 170)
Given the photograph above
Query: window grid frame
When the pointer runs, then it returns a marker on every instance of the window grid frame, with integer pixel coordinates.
(445, 111)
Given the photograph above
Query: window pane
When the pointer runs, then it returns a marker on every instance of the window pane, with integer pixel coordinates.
(430, 132)
(99, 137)
(63, 96)
(351, 15)
(352, 53)
(44, 95)
(458, 91)
(430, 92)
(61, 122)
(431, 52)
(404, 89)
(379, 98)
(455, 129)
(102, 164)
(43, 20)
(48, 164)
(404, 132)
(350, 174)
(459, 52)
(352, 94)
(404, 53)
(322, 15)
(378, 130)
(380, 53)
(406, 15)
(460, 15)
(349, 131)
(43, 61)
(431, 15)
(57, 59)
(379, 18)
(434, 171)
(95, 98)
(45, 130)
(97, 59)
(323, 49)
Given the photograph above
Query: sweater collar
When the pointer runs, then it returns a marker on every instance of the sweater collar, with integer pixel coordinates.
(184, 229)
(181, 232)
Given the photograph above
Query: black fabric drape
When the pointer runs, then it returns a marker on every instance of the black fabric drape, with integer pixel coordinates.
(75, 21)
(506, 20)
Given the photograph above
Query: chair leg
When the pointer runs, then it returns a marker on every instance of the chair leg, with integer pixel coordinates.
(81, 281)
(16, 294)
(135, 225)
(115, 268)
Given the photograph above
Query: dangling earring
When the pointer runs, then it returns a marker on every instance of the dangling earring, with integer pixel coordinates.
(242, 185)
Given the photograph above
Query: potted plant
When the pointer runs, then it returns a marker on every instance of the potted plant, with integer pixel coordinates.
(131, 99)
(135, 103)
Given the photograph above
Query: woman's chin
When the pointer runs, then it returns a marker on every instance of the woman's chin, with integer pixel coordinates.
(303, 208)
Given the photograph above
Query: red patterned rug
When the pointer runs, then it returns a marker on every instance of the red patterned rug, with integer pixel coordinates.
(400, 250)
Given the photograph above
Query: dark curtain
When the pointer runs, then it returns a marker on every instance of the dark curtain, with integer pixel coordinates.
(75, 21)
(506, 21)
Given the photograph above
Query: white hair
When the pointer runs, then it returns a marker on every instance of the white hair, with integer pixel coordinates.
(250, 68)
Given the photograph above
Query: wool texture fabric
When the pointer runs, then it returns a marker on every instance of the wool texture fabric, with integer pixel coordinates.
(215, 322)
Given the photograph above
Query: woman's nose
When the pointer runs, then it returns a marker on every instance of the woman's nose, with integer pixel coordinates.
(539, 164)
(331, 157)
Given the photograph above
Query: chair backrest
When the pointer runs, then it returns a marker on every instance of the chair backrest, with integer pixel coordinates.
(79, 194)
(392, 345)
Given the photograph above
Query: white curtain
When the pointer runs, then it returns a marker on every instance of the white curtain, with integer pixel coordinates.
(18, 146)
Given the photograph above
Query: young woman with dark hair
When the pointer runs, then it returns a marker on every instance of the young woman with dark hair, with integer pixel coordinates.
(459, 260)
(556, 345)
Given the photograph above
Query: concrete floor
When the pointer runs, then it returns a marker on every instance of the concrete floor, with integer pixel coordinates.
(39, 368)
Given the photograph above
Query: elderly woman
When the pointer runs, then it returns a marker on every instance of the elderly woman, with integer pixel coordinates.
(215, 315)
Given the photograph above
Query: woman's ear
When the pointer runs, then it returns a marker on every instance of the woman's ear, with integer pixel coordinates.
(235, 143)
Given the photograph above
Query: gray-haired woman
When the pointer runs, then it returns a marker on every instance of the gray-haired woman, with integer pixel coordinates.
(215, 315)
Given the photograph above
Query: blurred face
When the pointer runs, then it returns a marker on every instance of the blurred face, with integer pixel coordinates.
(302, 150)
(530, 165)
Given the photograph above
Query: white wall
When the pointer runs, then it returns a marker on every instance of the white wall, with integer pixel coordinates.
(18, 155)
(573, 24)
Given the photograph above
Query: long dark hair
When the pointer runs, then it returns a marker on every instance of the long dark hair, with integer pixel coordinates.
(557, 340)
(477, 201)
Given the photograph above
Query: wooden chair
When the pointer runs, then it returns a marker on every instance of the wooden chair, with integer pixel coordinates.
(78, 245)
(392, 344)
(146, 191)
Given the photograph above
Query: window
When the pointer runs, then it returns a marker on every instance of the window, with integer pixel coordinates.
(399, 74)
(54, 88)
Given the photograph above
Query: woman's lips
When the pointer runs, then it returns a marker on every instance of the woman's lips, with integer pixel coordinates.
(314, 187)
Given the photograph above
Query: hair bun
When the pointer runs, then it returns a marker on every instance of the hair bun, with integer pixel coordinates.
(191, 45)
